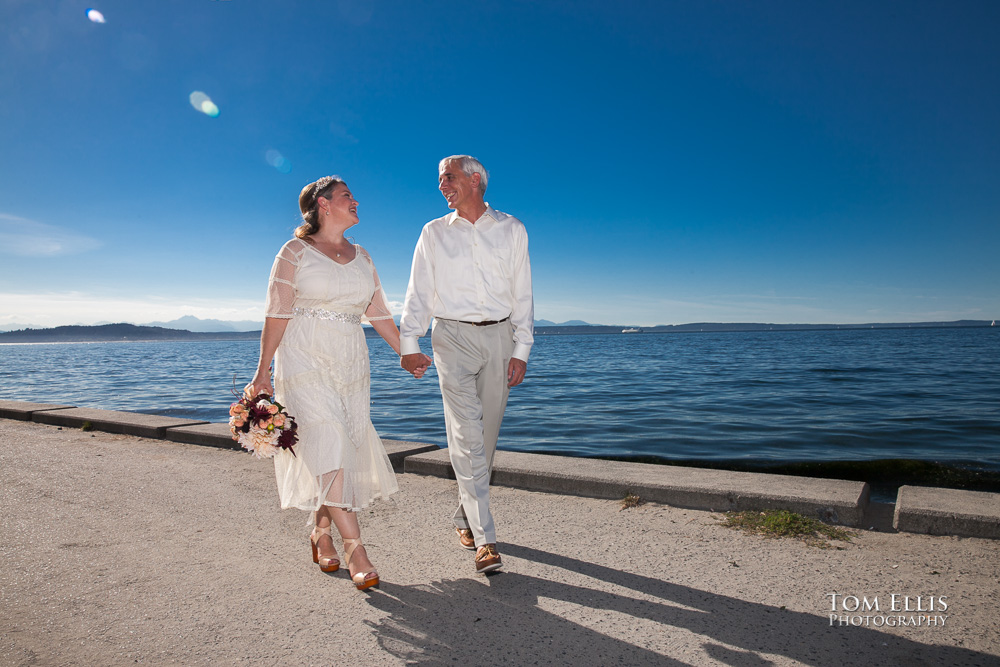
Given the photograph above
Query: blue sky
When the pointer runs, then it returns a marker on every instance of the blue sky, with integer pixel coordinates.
(771, 161)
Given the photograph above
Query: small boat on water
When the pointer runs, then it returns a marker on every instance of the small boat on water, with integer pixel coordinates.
(632, 330)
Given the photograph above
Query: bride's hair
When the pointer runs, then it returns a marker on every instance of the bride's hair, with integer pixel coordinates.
(307, 203)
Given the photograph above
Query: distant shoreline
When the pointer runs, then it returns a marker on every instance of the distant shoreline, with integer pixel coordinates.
(107, 333)
(719, 327)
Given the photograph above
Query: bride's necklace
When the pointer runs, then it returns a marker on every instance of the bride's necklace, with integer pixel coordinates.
(331, 247)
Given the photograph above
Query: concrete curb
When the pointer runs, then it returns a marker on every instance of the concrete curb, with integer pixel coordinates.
(209, 435)
(947, 512)
(22, 410)
(832, 501)
(400, 451)
(110, 421)
(917, 510)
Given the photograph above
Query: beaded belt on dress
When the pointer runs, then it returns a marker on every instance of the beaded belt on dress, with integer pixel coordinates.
(323, 314)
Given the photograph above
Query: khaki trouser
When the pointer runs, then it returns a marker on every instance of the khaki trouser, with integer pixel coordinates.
(471, 364)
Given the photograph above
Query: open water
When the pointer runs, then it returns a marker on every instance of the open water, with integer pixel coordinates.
(733, 398)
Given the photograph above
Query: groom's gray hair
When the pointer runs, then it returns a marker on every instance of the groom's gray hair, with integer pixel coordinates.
(469, 166)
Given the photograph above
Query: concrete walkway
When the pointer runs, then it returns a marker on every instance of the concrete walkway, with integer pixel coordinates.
(118, 549)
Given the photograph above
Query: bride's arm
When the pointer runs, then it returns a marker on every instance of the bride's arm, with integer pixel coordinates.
(387, 330)
(270, 338)
(380, 317)
(277, 312)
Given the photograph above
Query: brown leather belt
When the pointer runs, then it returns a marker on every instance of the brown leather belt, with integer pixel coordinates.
(486, 323)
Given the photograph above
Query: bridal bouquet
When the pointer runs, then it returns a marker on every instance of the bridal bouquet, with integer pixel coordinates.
(262, 426)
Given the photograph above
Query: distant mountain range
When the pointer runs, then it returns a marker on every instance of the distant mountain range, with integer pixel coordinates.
(132, 332)
(186, 323)
(117, 332)
(571, 323)
(192, 323)
(195, 324)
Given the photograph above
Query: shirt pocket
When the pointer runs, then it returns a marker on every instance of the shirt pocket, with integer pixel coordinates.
(501, 261)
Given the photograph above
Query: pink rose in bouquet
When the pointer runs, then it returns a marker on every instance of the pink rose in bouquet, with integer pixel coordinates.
(262, 426)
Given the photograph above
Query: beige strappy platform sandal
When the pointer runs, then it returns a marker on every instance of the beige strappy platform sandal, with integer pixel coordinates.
(331, 564)
(362, 580)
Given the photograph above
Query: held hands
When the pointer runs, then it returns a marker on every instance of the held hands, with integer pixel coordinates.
(416, 363)
(516, 369)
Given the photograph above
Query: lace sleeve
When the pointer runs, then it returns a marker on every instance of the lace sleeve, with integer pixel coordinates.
(378, 308)
(281, 285)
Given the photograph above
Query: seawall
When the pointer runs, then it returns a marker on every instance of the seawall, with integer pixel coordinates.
(926, 510)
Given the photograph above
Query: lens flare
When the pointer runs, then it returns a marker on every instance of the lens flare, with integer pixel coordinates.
(278, 161)
(198, 98)
(95, 16)
(203, 103)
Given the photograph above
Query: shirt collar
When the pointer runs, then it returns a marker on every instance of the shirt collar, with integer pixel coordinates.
(490, 211)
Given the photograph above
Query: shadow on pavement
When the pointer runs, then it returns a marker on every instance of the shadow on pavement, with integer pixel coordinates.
(502, 620)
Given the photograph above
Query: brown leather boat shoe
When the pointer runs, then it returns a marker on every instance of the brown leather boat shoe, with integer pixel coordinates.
(487, 559)
(466, 538)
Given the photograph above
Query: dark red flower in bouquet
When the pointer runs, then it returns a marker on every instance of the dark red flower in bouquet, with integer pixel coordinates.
(262, 425)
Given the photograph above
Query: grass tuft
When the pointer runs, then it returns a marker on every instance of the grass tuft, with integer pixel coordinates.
(782, 523)
(631, 500)
(86, 426)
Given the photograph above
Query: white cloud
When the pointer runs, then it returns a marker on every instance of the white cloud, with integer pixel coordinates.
(28, 238)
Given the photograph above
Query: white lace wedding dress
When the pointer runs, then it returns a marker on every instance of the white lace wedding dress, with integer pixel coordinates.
(321, 376)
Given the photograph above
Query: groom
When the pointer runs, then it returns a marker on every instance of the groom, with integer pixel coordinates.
(471, 274)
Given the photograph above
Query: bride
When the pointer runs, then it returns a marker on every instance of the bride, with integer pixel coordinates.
(321, 288)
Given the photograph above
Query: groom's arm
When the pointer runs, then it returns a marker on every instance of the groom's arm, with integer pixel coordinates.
(417, 309)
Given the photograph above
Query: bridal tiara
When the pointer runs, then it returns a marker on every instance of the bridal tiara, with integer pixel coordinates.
(322, 183)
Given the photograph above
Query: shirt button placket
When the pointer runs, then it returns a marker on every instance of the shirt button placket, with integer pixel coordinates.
(477, 270)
